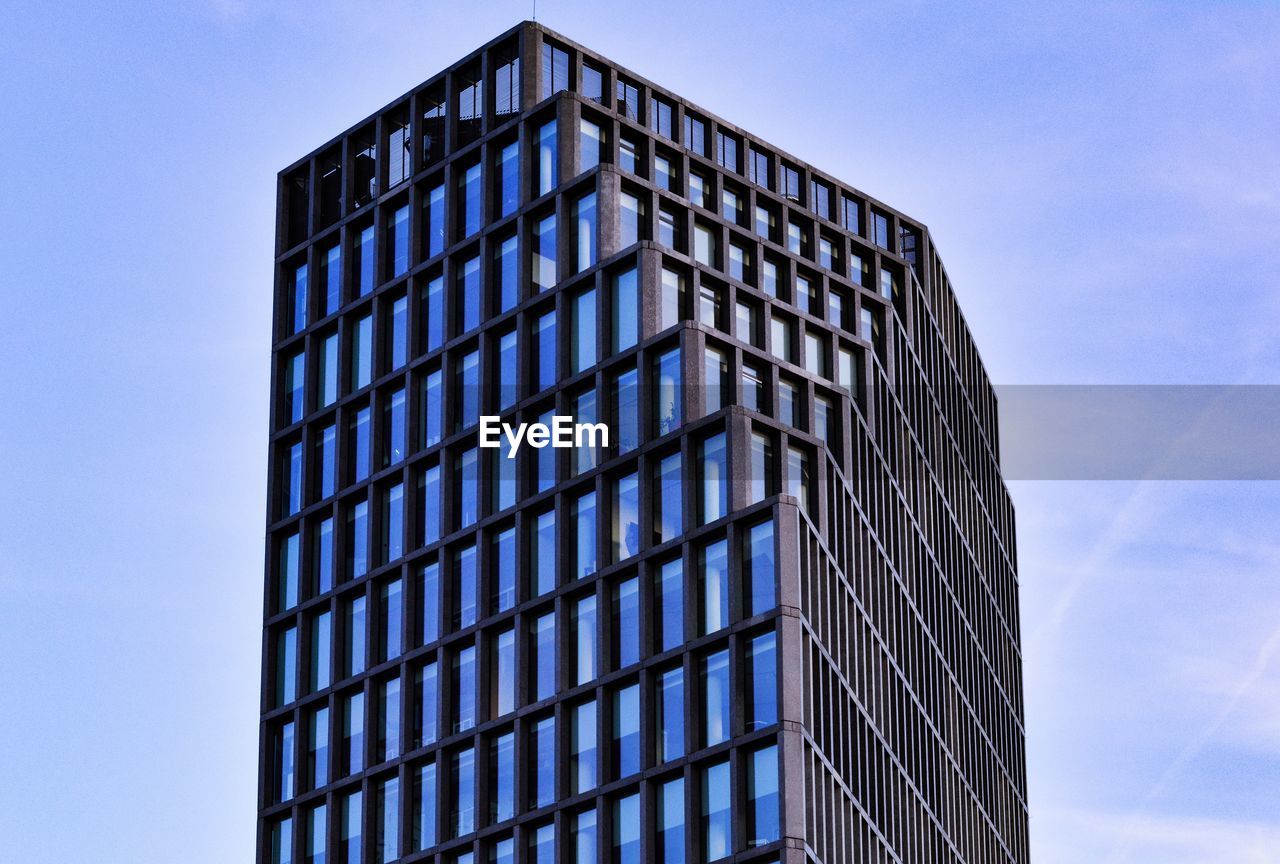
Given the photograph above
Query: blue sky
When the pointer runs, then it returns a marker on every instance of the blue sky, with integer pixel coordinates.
(1103, 181)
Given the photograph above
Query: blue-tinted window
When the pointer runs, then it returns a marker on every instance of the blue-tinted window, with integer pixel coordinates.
(585, 560)
(555, 70)
(400, 242)
(358, 539)
(626, 731)
(544, 553)
(393, 418)
(364, 261)
(582, 343)
(294, 384)
(668, 516)
(502, 784)
(469, 197)
(544, 652)
(317, 835)
(545, 346)
(468, 392)
(585, 232)
(761, 594)
(298, 300)
(591, 143)
(626, 411)
(399, 343)
(715, 698)
(509, 179)
(323, 563)
(668, 398)
(669, 590)
(285, 773)
(585, 624)
(281, 848)
(387, 822)
(506, 272)
(504, 570)
(626, 622)
(331, 269)
(582, 748)
(429, 491)
(717, 822)
(327, 391)
(626, 517)
(762, 679)
(544, 253)
(584, 837)
(425, 798)
(504, 672)
(464, 689)
(327, 447)
(468, 295)
(433, 313)
(713, 487)
(388, 741)
(427, 705)
(762, 797)
(390, 619)
(626, 830)
(321, 651)
(671, 724)
(465, 585)
(353, 733)
(547, 167)
(671, 833)
(292, 479)
(355, 632)
(362, 353)
(464, 793)
(542, 789)
(318, 747)
(714, 578)
(358, 444)
(626, 310)
(508, 366)
(545, 468)
(432, 402)
(467, 482)
(352, 836)
(429, 603)
(435, 224)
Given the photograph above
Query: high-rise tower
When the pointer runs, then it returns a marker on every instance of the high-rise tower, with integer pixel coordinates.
(775, 619)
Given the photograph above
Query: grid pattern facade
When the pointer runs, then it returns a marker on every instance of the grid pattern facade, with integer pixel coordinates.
(773, 619)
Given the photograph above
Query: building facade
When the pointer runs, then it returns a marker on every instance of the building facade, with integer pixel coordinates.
(775, 619)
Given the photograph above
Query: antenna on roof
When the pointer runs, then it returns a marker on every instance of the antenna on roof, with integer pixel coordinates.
(535, 10)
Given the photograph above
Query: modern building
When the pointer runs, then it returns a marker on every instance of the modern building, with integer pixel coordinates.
(775, 619)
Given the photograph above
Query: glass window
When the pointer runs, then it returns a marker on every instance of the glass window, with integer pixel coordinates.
(465, 586)
(584, 837)
(762, 679)
(730, 205)
(672, 298)
(626, 622)
(542, 789)
(713, 487)
(393, 522)
(470, 89)
(504, 673)
(393, 420)
(390, 620)
(626, 830)
(671, 723)
(545, 347)
(362, 353)
(627, 159)
(284, 746)
(715, 373)
(715, 698)
(880, 230)
(823, 418)
(798, 476)
(727, 151)
(585, 231)
(322, 562)
(508, 360)
(631, 218)
(506, 273)
(318, 747)
(713, 574)
(294, 386)
(358, 539)
(789, 182)
(626, 305)
(464, 689)
(506, 82)
(709, 300)
(433, 313)
(717, 833)
(331, 275)
(592, 83)
(668, 516)
(547, 169)
(669, 231)
(667, 394)
(826, 253)
(399, 242)
(660, 117)
(699, 191)
(761, 469)
(591, 144)
(387, 821)
(429, 500)
(585, 625)
(468, 393)
(352, 845)
(464, 792)
(626, 517)
(321, 650)
(762, 797)
(502, 780)
(434, 230)
(582, 345)
(739, 263)
(503, 560)
(353, 733)
(804, 294)
(426, 705)
(626, 731)
(695, 134)
(585, 534)
(747, 329)
(628, 98)
(544, 252)
(466, 469)
(544, 552)
(852, 215)
(364, 261)
(327, 391)
(467, 295)
(317, 833)
(764, 222)
(356, 628)
(429, 603)
(298, 300)
(663, 175)
(781, 333)
(358, 443)
(425, 798)
(704, 245)
(626, 410)
(669, 620)
(434, 112)
(845, 371)
(544, 652)
(815, 355)
(508, 179)
(388, 741)
(292, 479)
(788, 403)
(582, 748)
(670, 819)
(555, 70)
(502, 473)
